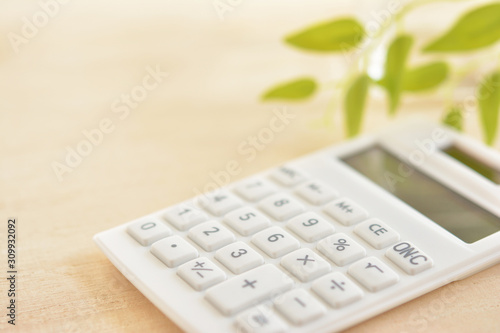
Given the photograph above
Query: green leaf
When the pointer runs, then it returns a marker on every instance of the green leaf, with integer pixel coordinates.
(293, 90)
(476, 29)
(488, 98)
(394, 69)
(454, 118)
(425, 77)
(354, 104)
(332, 36)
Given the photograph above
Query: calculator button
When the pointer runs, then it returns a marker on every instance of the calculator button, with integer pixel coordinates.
(305, 264)
(219, 202)
(281, 206)
(310, 226)
(275, 242)
(184, 216)
(299, 306)
(346, 211)
(254, 189)
(201, 273)
(373, 274)
(148, 231)
(211, 235)
(317, 193)
(288, 176)
(239, 257)
(409, 258)
(337, 290)
(242, 291)
(260, 319)
(341, 249)
(246, 220)
(173, 251)
(376, 233)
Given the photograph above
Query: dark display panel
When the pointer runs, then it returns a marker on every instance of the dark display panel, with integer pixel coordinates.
(453, 212)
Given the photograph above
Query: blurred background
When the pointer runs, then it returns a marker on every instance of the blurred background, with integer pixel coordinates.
(196, 76)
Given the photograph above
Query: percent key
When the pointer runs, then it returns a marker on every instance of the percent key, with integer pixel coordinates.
(341, 249)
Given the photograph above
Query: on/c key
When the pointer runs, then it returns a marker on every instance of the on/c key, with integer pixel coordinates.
(409, 258)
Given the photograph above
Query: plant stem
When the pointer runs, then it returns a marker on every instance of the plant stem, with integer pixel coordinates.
(463, 71)
(365, 54)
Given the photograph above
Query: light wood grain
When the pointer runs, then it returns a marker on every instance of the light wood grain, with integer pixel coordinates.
(64, 81)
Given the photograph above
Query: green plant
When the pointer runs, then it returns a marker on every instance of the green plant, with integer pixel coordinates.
(474, 31)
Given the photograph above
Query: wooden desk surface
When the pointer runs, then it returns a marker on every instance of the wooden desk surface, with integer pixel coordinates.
(68, 76)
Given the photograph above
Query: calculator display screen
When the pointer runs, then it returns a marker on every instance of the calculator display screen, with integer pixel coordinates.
(484, 170)
(458, 215)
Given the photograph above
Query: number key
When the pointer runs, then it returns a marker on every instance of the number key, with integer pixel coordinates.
(211, 235)
(148, 231)
(184, 216)
(254, 189)
(239, 257)
(219, 202)
(275, 242)
(281, 206)
(310, 226)
(246, 220)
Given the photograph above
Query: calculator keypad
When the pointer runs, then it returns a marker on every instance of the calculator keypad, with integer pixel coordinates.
(239, 257)
(337, 290)
(254, 189)
(346, 211)
(281, 206)
(305, 264)
(211, 235)
(275, 242)
(247, 220)
(184, 216)
(260, 319)
(373, 274)
(376, 233)
(244, 290)
(219, 202)
(316, 192)
(409, 258)
(201, 273)
(173, 251)
(299, 306)
(310, 226)
(341, 249)
(148, 231)
(264, 217)
(288, 176)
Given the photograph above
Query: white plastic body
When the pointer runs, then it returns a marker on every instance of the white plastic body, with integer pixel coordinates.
(453, 258)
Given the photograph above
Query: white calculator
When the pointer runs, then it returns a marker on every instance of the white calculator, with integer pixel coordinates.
(323, 242)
